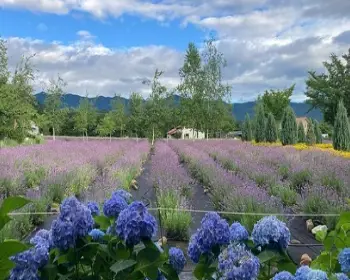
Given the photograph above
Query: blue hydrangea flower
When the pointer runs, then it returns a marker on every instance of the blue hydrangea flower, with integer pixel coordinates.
(344, 260)
(315, 274)
(341, 276)
(24, 273)
(238, 233)
(113, 206)
(124, 194)
(93, 206)
(69, 207)
(43, 233)
(284, 275)
(177, 259)
(270, 231)
(193, 249)
(83, 222)
(96, 234)
(63, 236)
(135, 223)
(236, 263)
(301, 273)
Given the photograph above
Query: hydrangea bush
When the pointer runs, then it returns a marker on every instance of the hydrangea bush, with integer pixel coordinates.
(82, 244)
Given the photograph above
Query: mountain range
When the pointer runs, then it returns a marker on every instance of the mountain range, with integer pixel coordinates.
(103, 103)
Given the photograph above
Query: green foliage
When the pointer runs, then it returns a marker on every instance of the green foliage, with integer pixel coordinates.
(107, 125)
(271, 129)
(86, 117)
(79, 180)
(326, 90)
(33, 177)
(310, 135)
(247, 134)
(176, 223)
(285, 193)
(275, 101)
(9, 248)
(301, 133)
(289, 133)
(300, 179)
(135, 124)
(119, 115)
(260, 123)
(318, 132)
(341, 134)
(326, 128)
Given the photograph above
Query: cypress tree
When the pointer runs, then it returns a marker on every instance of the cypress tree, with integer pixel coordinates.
(301, 133)
(247, 129)
(310, 135)
(341, 133)
(318, 132)
(259, 133)
(271, 129)
(289, 133)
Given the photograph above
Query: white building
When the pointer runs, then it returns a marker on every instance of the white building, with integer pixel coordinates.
(185, 133)
(34, 129)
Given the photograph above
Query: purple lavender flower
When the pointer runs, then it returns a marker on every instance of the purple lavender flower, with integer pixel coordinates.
(236, 263)
(113, 206)
(270, 231)
(177, 259)
(135, 223)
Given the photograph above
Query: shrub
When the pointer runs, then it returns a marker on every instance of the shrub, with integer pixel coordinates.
(79, 180)
(56, 192)
(260, 124)
(318, 132)
(39, 205)
(341, 133)
(271, 129)
(289, 133)
(285, 193)
(300, 179)
(34, 177)
(301, 133)
(310, 135)
(247, 134)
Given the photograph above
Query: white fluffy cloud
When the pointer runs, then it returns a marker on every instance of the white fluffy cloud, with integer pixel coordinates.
(267, 43)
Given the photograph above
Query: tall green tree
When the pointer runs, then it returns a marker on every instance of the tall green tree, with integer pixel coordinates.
(275, 101)
(119, 114)
(247, 134)
(301, 133)
(136, 120)
(325, 90)
(310, 135)
(156, 107)
(85, 117)
(53, 105)
(318, 132)
(341, 134)
(17, 102)
(260, 123)
(289, 131)
(107, 125)
(215, 91)
(271, 129)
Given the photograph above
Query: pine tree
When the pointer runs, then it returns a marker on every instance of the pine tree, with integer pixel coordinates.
(289, 133)
(271, 129)
(259, 133)
(247, 134)
(318, 132)
(301, 133)
(310, 135)
(341, 134)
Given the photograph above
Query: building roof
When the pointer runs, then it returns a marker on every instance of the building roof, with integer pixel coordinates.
(301, 119)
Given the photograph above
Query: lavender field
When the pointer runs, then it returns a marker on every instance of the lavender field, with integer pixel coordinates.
(224, 175)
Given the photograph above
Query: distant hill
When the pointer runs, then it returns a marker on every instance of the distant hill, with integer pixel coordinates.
(239, 109)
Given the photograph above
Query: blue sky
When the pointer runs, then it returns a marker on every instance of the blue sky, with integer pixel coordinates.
(106, 46)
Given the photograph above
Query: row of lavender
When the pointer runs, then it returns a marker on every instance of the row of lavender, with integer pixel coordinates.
(47, 173)
(173, 187)
(229, 192)
(304, 181)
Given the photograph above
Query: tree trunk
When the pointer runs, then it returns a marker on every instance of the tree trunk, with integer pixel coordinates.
(207, 134)
(87, 138)
(121, 131)
(152, 135)
(53, 134)
(110, 137)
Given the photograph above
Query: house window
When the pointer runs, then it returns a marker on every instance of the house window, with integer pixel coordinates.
(187, 136)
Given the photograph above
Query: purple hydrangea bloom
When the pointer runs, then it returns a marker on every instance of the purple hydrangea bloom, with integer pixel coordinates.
(284, 275)
(83, 222)
(135, 223)
(237, 263)
(124, 194)
(177, 259)
(96, 234)
(93, 206)
(270, 231)
(113, 206)
(344, 260)
(238, 233)
(193, 249)
(341, 276)
(43, 233)
(63, 236)
(69, 207)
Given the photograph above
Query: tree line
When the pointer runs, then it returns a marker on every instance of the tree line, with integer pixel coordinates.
(204, 104)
